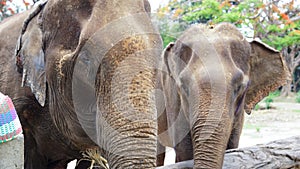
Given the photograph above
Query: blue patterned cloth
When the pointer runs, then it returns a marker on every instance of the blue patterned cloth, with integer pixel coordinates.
(10, 126)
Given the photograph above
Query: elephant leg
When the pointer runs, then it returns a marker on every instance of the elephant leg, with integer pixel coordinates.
(62, 164)
(160, 158)
(236, 131)
(184, 149)
(32, 157)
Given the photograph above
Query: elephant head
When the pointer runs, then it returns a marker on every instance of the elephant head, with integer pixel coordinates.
(44, 145)
(93, 64)
(210, 77)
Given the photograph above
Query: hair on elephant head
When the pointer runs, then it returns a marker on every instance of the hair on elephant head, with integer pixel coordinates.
(92, 63)
(210, 77)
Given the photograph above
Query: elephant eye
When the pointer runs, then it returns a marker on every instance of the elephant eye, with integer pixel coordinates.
(241, 89)
(238, 88)
(239, 82)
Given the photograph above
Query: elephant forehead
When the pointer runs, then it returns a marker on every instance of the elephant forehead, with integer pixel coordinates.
(212, 75)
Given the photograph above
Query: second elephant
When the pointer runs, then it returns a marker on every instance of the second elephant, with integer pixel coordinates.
(210, 76)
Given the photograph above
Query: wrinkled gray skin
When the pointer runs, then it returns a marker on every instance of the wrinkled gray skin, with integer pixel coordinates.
(101, 53)
(45, 146)
(210, 76)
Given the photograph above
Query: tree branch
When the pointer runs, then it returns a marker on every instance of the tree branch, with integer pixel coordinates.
(296, 18)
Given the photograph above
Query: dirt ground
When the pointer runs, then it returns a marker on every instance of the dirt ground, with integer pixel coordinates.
(280, 122)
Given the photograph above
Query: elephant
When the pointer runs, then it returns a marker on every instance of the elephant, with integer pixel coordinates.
(208, 78)
(45, 146)
(83, 77)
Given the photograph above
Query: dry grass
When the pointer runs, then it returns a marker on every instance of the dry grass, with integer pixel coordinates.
(97, 161)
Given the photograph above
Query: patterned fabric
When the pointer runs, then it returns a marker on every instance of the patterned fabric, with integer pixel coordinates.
(10, 126)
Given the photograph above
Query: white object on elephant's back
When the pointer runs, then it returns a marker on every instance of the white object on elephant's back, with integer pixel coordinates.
(10, 126)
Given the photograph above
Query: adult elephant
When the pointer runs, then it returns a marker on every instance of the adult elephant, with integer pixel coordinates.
(90, 65)
(209, 77)
(45, 146)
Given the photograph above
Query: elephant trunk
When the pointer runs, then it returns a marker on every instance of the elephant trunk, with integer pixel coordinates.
(210, 122)
(126, 113)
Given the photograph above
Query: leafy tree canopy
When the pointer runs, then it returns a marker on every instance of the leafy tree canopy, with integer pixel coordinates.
(275, 22)
(11, 7)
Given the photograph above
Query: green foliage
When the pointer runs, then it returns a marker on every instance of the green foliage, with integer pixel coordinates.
(229, 17)
(258, 129)
(257, 107)
(273, 28)
(268, 102)
(298, 97)
(246, 13)
(273, 22)
(274, 94)
(203, 12)
(284, 36)
(170, 31)
(252, 126)
(270, 98)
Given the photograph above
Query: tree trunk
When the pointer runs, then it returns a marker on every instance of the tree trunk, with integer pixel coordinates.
(292, 60)
(277, 154)
(286, 90)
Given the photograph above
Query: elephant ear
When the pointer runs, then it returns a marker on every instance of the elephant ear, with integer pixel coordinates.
(166, 54)
(30, 58)
(268, 72)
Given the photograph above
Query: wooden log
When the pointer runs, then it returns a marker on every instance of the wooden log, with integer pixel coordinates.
(283, 154)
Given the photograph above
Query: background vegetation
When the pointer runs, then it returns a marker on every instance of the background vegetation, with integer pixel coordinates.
(275, 22)
(11, 7)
